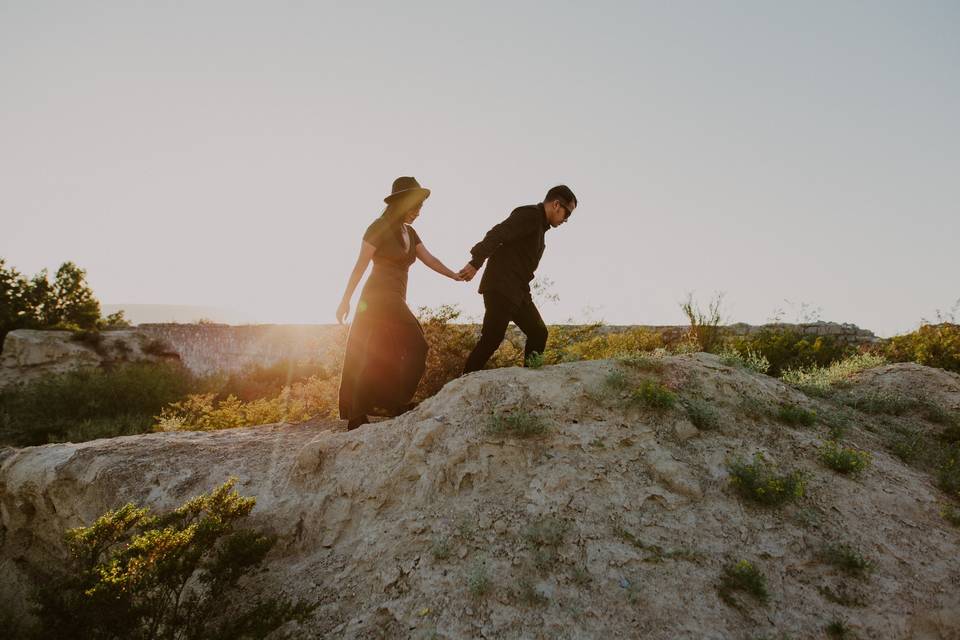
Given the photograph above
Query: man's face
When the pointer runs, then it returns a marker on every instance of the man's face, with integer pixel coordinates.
(558, 212)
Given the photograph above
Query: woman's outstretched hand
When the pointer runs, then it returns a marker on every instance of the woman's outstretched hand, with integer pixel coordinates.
(342, 311)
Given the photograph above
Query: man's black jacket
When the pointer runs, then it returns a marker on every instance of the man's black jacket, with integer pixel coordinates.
(514, 248)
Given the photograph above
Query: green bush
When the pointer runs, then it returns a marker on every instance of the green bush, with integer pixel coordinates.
(948, 471)
(742, 576)
(99, 402)
(759, 481)
(795, 415)
(933, 345)
(750, 360)
(847, 558)
(137, 575)
(654, 395)
(786, 349)
(844, 459)
(702, 414)
(518, 424)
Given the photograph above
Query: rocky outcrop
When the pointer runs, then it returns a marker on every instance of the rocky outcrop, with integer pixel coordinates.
(30, 354)
(389, 526)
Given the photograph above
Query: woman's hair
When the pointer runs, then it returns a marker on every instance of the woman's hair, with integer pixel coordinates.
(396, 210)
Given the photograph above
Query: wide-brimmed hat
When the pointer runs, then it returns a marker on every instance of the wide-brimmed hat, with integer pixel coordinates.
(405, 186)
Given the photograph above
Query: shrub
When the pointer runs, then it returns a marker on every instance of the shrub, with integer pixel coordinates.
(478, 581)
(705, 329)
(611, 345)
(702, 414)
(847, 558)
(519, 424)
(933, 345)
(759, 482)
(948, 471)
(795, 415)
(819, 380)
(907, 445)
(838, 629)
(951, 514)
(440, 549)
(535, 361)
(654, 395)
(786, 348)
(545, 532)
(137, 575)
(92, 402)
(295, 403)
(749, 359)
(844, 459)
(742, 576)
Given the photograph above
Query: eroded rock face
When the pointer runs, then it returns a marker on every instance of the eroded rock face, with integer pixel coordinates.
(29, 354)
(614, 524)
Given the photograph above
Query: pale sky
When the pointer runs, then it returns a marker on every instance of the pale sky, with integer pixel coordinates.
(230, 154)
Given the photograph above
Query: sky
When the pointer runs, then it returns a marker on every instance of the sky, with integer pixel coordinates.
(794, 156)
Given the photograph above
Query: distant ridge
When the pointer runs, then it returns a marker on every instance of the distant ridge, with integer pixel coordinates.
(150, 313)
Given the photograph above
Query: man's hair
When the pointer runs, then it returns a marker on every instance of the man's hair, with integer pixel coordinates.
(561, 192)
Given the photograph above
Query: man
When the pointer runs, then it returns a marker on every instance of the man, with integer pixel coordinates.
(514, 248)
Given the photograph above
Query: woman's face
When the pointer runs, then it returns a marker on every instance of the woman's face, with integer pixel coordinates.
(413, 214)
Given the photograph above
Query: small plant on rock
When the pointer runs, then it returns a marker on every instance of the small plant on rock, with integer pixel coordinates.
(951, 514)
(844, 459)
(839, 629)
(440, 549)
(654, 395)
(758, 481)
(702, 414)
(742, 576)
(478, 581)
(748, 359)
(847, 558)
(519, 424)
(535, 361)
(795, 415)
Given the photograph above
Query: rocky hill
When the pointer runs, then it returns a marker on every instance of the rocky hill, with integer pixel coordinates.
(616, 522)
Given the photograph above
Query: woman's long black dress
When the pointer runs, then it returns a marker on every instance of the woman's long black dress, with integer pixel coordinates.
(386, 352)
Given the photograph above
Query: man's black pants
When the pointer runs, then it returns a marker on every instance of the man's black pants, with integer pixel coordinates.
(499, 312)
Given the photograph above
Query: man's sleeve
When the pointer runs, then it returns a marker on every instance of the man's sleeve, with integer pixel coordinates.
(520, 222)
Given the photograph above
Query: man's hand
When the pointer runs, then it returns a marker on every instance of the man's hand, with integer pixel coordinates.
(466, 274)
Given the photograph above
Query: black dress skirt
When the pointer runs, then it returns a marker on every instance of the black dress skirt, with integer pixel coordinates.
(386, 352)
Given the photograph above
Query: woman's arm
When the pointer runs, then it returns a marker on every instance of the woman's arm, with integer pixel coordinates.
(431, 261)
(366, 254)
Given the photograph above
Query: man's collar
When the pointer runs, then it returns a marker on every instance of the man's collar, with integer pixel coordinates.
(543, 215)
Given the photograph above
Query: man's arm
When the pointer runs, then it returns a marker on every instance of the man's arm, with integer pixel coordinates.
(520, 223)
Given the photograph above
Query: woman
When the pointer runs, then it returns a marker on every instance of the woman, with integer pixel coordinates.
(386, 351)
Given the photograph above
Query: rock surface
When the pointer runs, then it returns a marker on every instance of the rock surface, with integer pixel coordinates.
(386, 525)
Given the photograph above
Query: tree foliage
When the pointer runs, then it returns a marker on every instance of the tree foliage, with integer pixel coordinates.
(37, 303)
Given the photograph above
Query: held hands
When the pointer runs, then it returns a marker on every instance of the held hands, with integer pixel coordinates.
(466, 274)
(342, 311)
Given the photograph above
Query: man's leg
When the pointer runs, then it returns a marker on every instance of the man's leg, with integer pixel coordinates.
(496, 317)
(527, 318)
